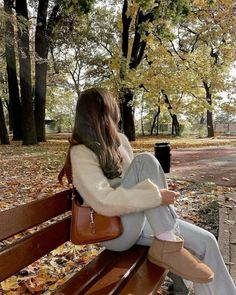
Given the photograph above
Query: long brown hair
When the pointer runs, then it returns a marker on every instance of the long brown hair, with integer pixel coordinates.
(95, 126)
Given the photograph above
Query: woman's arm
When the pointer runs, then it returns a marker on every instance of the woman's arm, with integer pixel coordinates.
(89, 180)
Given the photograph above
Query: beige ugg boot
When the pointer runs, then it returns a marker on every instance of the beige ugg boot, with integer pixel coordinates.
(172, 256)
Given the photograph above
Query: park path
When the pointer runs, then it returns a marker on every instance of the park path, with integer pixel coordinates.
(211, 164)
(218, 165)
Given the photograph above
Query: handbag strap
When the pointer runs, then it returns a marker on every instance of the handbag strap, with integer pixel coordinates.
(76, 196)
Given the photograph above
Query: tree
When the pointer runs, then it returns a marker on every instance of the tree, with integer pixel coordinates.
(4, 139)
(82, 58)
(226, 107)
(175, 122)
(43, 34)
(29, 110)
(144, 18)
(14, 99)
(60, 15)
(165, 82)
(190, 62)
(41, 53)
(62, 112)
(205, 43)
(155, 122)
(28, 121)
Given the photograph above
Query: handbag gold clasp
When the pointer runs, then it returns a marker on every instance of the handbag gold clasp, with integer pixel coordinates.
(92, 223)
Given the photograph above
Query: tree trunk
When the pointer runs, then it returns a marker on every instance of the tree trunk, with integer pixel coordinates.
(157, 126)
(175, 125)
(43, 33)
(142, 123)
(3, 129)
(14, 100)
(175, 130)
(155, 120)
(153, 124)
(41, 52)
(210, 127)
(125, 95)
(28, 126)
(127, 120)
(137, 53)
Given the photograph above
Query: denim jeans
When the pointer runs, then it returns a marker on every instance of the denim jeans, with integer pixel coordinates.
(140, 227)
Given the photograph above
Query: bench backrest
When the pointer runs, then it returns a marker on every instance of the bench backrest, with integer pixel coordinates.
(15, 256)
(127, 272)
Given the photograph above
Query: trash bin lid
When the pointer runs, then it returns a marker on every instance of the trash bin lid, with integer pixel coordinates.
(162, 144)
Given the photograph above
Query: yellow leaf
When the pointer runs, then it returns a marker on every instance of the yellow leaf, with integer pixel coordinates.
(9, 284)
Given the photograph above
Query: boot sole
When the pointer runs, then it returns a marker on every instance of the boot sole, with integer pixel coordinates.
(196, 280)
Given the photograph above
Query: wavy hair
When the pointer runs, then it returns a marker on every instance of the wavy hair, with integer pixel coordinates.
(95, 126)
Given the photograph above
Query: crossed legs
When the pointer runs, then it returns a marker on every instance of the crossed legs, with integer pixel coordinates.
(139, 228)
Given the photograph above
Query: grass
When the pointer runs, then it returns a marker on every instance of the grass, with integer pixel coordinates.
(146, 143)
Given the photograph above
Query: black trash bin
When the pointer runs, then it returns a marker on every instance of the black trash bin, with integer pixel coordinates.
(162, 153)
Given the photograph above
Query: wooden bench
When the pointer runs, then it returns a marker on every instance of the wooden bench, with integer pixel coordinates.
(110, 272)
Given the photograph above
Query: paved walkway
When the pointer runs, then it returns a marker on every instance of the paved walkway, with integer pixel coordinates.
(218, 165)
(227, 234)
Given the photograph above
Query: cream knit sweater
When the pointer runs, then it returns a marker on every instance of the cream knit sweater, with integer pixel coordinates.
(104, 195)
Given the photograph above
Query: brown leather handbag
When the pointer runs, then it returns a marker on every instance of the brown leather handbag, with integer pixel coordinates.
(89, 227)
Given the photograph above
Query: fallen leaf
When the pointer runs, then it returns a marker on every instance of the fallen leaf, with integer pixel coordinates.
(9, 284)
(224, 178)
(230, 222)
(229, 263)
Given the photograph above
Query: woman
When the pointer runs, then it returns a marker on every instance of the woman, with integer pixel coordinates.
(113, 183)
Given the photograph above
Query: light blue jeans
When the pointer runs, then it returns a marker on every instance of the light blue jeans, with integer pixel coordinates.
(140, 227)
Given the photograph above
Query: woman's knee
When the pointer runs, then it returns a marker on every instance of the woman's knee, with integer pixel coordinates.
(210, 240)
(132, 228)
(147, 166)
(147, 158)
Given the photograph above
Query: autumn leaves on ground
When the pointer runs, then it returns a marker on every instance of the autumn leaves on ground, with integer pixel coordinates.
(30, 172)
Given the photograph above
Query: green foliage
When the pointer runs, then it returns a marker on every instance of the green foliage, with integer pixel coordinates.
(166, 8)
(83, 51)
(83, 6)
(61, 107)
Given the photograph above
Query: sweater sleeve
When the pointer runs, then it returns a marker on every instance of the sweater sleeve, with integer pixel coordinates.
(94, 187)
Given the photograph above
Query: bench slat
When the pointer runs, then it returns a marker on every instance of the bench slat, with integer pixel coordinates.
(18, 219)
(105, 274)
(32, 247)
(146, 280)
(89, 274)
(115, 279)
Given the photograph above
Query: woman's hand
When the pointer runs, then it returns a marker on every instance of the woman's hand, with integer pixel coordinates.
(168, 196)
